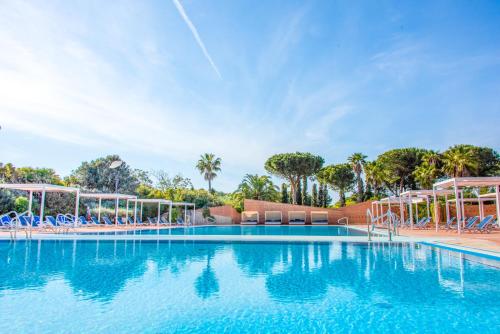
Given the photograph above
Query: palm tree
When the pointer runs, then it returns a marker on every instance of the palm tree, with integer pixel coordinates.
(258, 187)
(209, 165)
(431, 157)
(459, 161)
(374, 176)
(358, 161)
(425, 175)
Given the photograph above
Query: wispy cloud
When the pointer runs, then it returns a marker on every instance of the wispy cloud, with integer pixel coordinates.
(196, 35)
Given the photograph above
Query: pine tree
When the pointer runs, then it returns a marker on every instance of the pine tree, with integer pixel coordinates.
(306, 200)
(314, 199)
(326, 198)
(284, 193)
(299, 193)
(321, 196)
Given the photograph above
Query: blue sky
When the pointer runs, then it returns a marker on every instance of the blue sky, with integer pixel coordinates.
(160, 82)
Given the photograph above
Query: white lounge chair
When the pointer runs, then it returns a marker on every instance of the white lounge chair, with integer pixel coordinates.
(273, 217)
(249, 218)
(296, 217)
(319, 217)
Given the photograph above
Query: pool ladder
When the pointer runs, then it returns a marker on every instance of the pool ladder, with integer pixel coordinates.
(371, 224)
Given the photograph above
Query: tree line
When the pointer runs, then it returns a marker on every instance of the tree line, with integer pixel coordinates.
(358, 179)
(307, 180)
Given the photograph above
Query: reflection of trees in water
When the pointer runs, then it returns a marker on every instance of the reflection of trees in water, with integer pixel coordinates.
(207, 284)
(305, 272)
(96, 270)
(255, 259)
(292, 271)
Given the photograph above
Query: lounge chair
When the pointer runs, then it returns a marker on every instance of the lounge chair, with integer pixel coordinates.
(138, 221)
(65, 222)
(249, 218)
(319, 218)
(164, 221)
(450, 223)
(120, 221)
(296, 217)
(272, 218)
(49, 224)
(153, 221)
(471, 222)
(485, 225)
(95, 221)
(107, 221)
(422, 224)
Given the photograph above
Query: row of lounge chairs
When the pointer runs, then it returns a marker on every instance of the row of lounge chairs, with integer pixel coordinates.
(470, 224)
(275, 218)
(13, 221)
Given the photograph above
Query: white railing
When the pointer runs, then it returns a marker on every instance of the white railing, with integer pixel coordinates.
(346, 219)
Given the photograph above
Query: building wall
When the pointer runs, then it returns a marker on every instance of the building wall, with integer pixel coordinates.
(226, 211)
(356, 213)
(262, 206)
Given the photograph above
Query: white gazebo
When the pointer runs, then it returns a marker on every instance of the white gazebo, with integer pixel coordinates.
(159, 202)
(185, 205)
(110, 196)
(43, 188)
(424, 195)
(459, 183)
(390, 201)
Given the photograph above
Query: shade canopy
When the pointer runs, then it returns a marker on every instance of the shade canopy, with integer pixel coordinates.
(468, 182)
(458, 183)
(38, 187)
(109, 196)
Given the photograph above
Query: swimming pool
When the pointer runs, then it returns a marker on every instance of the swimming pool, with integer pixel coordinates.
(249, 230)
(200, 287)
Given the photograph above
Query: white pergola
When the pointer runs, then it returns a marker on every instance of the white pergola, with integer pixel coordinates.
(459, 183)
(389, 201)
(42, 188)
(424, 195)
(185, 205)
(474, 200)
(110, 196)
(159, 202)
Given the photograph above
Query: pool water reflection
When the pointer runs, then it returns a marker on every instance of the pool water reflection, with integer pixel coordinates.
(162, 286)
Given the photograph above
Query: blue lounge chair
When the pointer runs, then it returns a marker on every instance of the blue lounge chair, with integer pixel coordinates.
(153, 221)
(120, 221)
(49, 223)
(83, 221)
(484, 225)
(107, 221)
(450, 223)
(422, 224)
(95, 221)
(471, 222)
(64, 222)
(6, 220)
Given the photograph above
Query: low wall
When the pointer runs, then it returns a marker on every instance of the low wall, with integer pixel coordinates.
(356, 213)
(262, 206)
(226, 211)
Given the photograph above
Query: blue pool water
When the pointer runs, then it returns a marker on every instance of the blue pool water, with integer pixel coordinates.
(199, 287)
(251, 230)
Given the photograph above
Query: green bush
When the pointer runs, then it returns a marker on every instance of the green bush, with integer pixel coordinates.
(21, 204)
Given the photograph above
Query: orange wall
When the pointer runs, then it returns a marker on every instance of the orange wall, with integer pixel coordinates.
(227, 211)
(262, 206)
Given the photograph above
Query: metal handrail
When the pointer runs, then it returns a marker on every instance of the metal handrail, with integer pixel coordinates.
(343, 218)
(371, 220)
